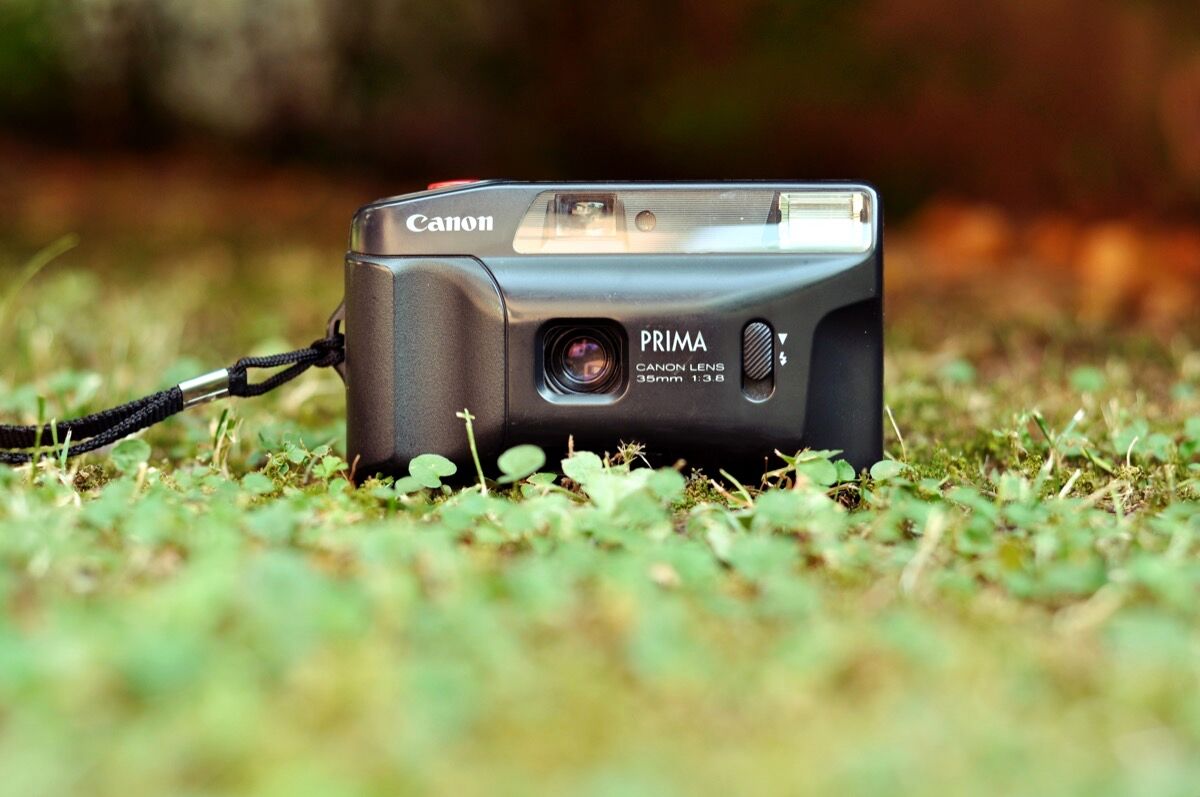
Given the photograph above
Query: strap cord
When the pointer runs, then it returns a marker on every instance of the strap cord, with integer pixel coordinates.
(20, 444)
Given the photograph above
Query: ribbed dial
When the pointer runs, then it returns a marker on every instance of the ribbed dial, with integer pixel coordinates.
(758, 350)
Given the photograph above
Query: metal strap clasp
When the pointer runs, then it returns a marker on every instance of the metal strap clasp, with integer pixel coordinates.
(206, 388)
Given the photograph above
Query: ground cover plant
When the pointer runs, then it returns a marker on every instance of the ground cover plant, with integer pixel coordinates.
(1007, 604)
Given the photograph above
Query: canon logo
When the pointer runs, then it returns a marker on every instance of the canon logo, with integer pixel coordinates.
(672, 340)
(419, 222)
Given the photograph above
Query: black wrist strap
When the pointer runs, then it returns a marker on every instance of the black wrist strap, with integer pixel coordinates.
(20, 444)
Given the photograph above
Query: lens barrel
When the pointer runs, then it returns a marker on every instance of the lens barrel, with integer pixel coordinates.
(583, 358)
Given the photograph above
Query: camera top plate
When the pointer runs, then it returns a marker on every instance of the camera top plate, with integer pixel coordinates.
(502, 218)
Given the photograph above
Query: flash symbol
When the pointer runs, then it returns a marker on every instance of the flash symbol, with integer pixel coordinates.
(782, 358)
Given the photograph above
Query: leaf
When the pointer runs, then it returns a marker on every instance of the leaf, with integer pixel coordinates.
(1087, 379)
(429, 468)
(845, 471)
(667, 484)
(521, 461)
(384, 492)
(273, 521)
(809, 455)
(605, 489)
(329, 465)
(779, 508)
(819, 471)
(258, 483)
(720, 539)
(582, 467)
(1191, 445)
(128, 455)
(958, 371)
(887, 469)
(406, 485)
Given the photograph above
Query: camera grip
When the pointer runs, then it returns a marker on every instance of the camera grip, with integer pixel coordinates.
(425, 339)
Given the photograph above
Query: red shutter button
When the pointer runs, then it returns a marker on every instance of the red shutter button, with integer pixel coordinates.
(451, 183)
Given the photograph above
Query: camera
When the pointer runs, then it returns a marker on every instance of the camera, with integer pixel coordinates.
(713, 323)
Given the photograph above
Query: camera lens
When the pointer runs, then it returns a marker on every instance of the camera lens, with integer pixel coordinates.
(586, 360)
(583, 358)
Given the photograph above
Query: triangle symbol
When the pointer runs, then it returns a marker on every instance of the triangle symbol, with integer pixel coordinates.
(782, 338)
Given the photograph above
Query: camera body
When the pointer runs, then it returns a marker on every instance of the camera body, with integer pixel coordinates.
(709, 322)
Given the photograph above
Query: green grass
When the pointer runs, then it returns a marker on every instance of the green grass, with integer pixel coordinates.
(1010, 609)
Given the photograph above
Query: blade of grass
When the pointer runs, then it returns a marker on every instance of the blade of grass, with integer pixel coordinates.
(38, 262)
(740, 488)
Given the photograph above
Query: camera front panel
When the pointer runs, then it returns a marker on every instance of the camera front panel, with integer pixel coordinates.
(718, 354)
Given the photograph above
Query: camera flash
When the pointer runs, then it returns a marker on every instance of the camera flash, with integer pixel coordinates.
(826, 221)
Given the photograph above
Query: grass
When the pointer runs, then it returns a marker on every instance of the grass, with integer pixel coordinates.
(1010, 607)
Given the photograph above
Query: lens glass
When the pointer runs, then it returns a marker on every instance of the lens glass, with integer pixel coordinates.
(586, 360)
(583, 357)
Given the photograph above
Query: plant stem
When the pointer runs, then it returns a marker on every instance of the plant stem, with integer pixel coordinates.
(467, 418)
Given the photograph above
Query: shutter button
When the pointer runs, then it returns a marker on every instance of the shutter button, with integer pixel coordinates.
(758, 361)
(440, 184)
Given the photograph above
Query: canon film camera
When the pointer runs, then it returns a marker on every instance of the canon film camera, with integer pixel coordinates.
(711, 322)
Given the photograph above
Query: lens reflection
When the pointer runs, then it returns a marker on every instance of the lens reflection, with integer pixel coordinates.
(586, 360)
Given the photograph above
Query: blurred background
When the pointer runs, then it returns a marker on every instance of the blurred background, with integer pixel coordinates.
(1060, 104)
(1050, 148)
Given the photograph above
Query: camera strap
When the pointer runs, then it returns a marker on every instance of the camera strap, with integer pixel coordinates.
(21, 444)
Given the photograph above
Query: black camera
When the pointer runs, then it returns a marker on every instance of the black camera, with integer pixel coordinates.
(710, 322)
